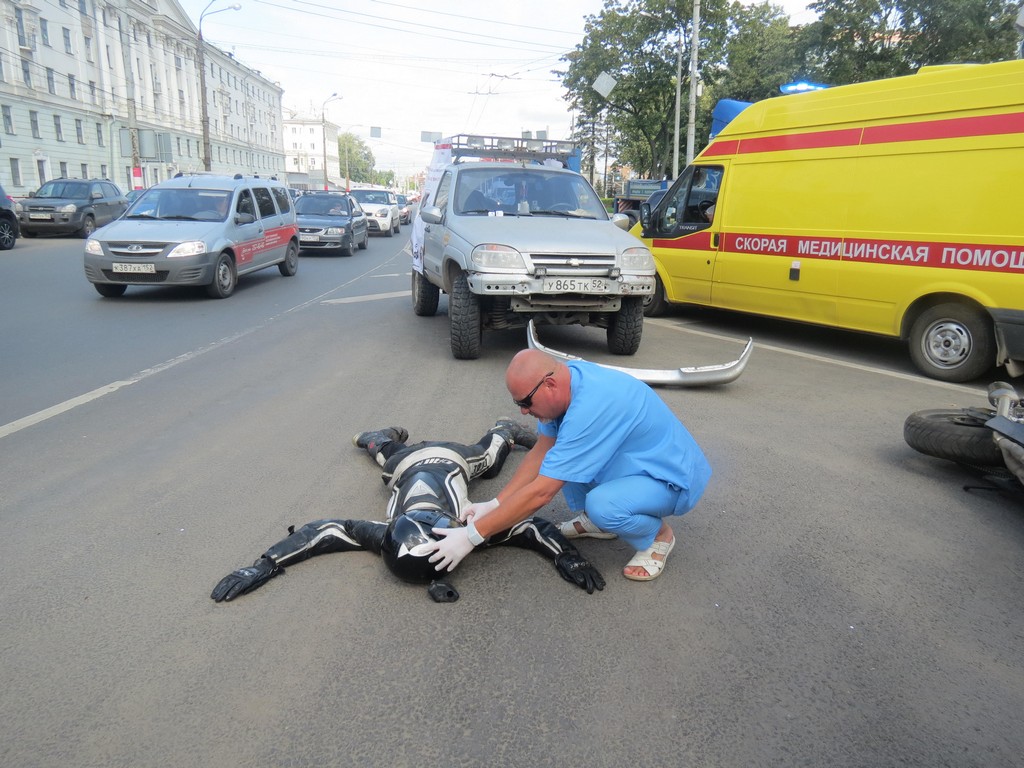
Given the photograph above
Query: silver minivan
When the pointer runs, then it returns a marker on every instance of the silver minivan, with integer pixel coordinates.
(196, 230)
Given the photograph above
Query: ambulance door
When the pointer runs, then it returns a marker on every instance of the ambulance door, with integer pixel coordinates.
(781, 238)
(682, 239)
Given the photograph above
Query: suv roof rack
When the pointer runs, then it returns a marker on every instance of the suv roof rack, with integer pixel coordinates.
(508, 148)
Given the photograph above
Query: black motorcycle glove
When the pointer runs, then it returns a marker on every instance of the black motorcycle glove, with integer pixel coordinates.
(245, 580)
(574, 568)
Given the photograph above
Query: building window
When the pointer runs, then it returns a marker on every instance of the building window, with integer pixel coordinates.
(99, 134)
(33, 119)
(15, 172)
(87, 44)
(73, 87)
(26, 73)
(80, 131)
(103, 171)
(85, 170)
(110, 59)
(8, 119)
(57, 130)
(51, 86)
(67, 39)
(41, 171)
(63, 170)
(44, 32)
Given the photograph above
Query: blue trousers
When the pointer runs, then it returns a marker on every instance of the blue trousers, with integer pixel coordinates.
(632, 507)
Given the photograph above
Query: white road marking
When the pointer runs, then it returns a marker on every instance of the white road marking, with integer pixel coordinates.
(372, 297)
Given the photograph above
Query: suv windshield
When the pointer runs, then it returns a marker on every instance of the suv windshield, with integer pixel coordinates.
(525, 191)
(371, 196)
(63, 189)
(182, 204)
(322, 205)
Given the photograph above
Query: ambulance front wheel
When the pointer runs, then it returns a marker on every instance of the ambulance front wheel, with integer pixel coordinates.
(953, 342)
(655, 304)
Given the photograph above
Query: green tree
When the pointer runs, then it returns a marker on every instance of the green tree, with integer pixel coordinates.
(355, 158)
(761, 53)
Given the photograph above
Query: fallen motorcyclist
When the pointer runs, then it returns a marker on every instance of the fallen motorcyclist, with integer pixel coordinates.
(429, 484)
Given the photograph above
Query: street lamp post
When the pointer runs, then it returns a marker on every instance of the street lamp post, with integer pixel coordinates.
(694, 44)
(201, 61)
(323, 122)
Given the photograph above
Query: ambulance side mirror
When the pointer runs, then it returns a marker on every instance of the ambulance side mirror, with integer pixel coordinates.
(645, 216)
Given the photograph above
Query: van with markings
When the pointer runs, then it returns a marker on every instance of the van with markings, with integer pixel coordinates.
(196, 229)
(889, 207)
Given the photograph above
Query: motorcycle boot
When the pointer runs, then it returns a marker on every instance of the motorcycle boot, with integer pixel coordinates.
(515, 433)
(377, 439)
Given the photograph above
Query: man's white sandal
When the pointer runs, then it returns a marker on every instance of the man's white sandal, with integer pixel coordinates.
(645, 559)
(590, 530)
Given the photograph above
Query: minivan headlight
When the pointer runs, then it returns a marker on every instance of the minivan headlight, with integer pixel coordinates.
(188, 248)
(494, 256)
(637, 259)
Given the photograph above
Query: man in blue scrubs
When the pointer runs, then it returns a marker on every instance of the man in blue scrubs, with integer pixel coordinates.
(623, 460)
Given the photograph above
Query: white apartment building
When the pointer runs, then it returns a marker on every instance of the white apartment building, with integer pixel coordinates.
(95, 88)
(305, 139)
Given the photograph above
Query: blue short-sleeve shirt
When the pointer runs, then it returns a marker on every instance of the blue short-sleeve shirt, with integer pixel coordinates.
(617, 426)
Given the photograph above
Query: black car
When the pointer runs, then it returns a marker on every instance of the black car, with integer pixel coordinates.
(8, 222)
(331, 221)
(71, 206)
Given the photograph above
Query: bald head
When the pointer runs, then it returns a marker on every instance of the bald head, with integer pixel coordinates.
(532, 371)
(526, 368)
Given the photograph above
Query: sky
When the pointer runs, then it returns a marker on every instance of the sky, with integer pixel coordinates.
(409, 66)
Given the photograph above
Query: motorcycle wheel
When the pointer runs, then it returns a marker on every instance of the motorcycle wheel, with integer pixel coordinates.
(957, 435)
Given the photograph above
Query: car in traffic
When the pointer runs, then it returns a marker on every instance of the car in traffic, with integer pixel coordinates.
(514, 241)
(404, 209)
(9, 227)
(331, 221)
(196, 230)
(71, 206)
(133, 194)
(381, 208)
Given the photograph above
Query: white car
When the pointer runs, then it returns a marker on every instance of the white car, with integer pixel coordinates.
(381, 207)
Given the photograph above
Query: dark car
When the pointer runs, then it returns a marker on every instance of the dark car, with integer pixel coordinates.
(71, 206)
(404, 209)
(331, 221)
(8, 222)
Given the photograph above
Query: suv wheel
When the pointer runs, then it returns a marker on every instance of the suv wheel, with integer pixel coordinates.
(88, 227)
(464, 320)
(7, 234)
(626, 327)
(425, 295)
(224, 278)
(398, 226)
(390, 231)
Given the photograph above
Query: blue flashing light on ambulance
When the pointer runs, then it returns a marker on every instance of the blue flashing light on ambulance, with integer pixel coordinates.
(888, 207)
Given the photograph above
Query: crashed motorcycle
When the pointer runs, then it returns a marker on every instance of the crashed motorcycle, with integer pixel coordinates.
(987, 441)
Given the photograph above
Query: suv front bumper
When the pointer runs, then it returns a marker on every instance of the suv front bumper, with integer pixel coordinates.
(568, 292)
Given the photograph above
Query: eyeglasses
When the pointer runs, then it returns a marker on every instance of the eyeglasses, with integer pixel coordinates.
(527, 402)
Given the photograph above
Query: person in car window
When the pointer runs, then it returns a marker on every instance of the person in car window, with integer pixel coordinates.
(429, 487)
(621, 458)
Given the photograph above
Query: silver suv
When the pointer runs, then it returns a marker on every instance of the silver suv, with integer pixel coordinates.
(196, 230)
(513, 242)
(8, 222)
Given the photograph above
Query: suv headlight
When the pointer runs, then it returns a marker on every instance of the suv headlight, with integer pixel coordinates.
(69, 208)
(494, 256)
(383, 213)
(189, 248)
(93, 247)
(637, 259)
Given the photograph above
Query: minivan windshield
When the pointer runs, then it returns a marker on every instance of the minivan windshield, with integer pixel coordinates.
(182, 205)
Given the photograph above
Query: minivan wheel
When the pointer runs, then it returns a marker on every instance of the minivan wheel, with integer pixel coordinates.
(88, 227)
(290, 265)
(110, 290)
(224, 278)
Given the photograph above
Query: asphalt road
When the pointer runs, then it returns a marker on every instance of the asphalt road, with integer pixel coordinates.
(834, 600)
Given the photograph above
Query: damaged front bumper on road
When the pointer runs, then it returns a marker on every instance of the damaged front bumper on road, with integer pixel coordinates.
(696, 376)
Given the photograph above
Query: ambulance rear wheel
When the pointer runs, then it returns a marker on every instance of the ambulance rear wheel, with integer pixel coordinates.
(953, 342)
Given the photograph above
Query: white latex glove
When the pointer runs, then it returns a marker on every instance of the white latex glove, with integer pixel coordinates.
(453, 546)
(477, 510)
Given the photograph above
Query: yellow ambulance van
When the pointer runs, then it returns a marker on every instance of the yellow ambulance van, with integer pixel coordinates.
(891, 207)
